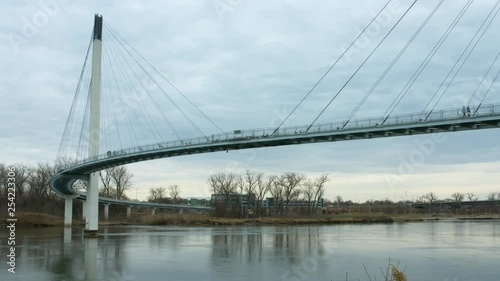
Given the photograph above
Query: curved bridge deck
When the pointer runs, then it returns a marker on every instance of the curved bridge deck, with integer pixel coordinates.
(450, 120)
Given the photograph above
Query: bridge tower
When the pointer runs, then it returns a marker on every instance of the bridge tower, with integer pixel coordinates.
(92, 216)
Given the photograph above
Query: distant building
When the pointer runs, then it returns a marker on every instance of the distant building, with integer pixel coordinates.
(230, 199)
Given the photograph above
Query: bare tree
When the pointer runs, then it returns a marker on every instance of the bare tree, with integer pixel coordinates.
(492, 196)
(431, 197)
(458, 197)
(223, 184)
(3, 179)
(122, 180)
(319, 185)
(38, 182)
(240, 185)
(277, 191)
(308, 190)
(174, 192)
(251, 178)
(81, 184)
(23, 174)
(261, 189)
(290, 183)
(156, 194)
(247, 183)
(471, 196)
(338, 200)
(106, 182)
(62, 163)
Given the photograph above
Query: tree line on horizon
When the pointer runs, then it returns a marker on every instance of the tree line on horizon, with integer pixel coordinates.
(33, 193)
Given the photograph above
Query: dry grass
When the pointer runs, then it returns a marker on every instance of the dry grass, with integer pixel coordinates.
(193, 219)
(44, 220)
(397, 275)
(390, 273)
(37, 220)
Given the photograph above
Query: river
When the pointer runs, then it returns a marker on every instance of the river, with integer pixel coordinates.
(465, 250)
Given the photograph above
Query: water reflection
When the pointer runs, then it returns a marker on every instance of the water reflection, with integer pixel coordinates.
(286, 245)
(446, 250)
(90, 259)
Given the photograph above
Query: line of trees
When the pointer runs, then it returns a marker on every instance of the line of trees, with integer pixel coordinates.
(170, 195)
(285, 189)
(114, 182)
(33, 193)
(32, 188)
(457, 198)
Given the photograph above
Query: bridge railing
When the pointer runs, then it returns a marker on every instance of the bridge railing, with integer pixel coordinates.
(401, 119)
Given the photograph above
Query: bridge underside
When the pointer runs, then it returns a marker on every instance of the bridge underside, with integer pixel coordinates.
(63, 181)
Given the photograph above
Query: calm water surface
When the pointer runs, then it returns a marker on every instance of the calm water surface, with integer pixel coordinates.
(429, 251)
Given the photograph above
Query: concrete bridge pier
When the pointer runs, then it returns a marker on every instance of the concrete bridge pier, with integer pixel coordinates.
(92, 219)
(106, 211)
(153, 211)
(84, 209)
(92, 216)
(68, 209)
(129, 210)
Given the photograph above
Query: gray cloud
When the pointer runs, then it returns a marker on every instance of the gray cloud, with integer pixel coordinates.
(248, 69)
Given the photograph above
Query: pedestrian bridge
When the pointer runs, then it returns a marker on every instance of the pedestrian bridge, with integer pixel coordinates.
(142, 110)
(449, 120)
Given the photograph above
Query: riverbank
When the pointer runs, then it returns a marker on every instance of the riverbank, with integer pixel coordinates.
(44, 220)
(203, 220)
(41, 220)
(176, 219)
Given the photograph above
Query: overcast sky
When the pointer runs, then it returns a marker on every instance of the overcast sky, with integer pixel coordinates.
(246, 64)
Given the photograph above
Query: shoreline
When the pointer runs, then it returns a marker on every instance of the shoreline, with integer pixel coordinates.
(44, 220)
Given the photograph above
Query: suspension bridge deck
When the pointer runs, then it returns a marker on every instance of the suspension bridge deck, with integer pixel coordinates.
(450, 120)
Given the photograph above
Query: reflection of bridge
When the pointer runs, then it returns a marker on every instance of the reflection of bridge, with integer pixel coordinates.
(111, 139)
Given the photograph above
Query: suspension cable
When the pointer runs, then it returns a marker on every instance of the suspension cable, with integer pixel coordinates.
(359, 68)
(463, 62)
(128, 122)
(155, 103)
(484, 78)
(163, 76)
(424, 63)
(69, 122)
(487, 92)
(163, 91)
(128, 80)
(331, 67)
(391, 64)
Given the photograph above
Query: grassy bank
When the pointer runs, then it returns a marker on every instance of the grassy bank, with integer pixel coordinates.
(27, 219)
(189, 219)
(38, 220)
(44, 220)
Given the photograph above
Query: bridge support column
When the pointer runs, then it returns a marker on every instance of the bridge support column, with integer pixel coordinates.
(129, 209)
(68, 209)
(84, 209)
(153, 211)
(92, 221)
(106, 211)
